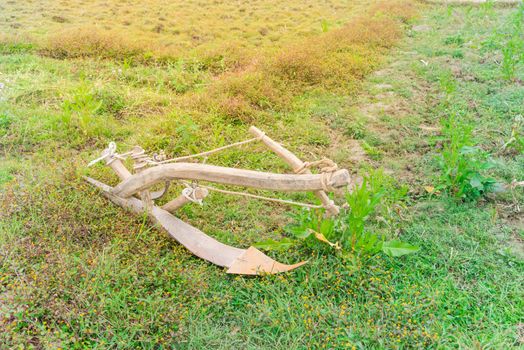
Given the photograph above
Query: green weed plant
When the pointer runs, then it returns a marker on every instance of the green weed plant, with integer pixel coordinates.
(349, 233)
(463, 164)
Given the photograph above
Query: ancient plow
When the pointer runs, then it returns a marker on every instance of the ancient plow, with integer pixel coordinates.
(134, 193)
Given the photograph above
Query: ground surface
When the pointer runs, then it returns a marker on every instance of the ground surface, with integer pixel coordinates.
(77, 272)
(181, 24)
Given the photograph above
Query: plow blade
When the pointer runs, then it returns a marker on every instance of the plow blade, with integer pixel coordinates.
(249, 261)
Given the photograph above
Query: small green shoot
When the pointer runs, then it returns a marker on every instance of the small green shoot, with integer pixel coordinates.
(516, 141)
(454, 40)
(5, 122)
(324, 25)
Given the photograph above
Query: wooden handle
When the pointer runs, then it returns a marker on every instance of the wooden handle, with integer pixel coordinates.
(229, 176)
(238, 261)
(118, 167)
(296, 164)
(292, 160)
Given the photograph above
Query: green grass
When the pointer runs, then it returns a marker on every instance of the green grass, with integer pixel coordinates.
(77, 272)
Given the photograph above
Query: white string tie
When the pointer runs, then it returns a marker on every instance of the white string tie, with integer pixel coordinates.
(190, 194)
(109, 152)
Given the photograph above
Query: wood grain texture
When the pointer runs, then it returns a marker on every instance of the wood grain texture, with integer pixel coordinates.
(119, 168)
(227, 176)
(254, 262)
(190, 237)
(180, 201)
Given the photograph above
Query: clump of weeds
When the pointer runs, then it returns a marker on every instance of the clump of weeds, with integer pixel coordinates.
(353, 233)
(463, 164)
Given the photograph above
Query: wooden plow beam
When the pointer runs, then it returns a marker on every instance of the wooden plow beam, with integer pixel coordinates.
(133, 194)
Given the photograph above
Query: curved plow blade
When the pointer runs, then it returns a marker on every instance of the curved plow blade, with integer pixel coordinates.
(254, 262)
(249, 261)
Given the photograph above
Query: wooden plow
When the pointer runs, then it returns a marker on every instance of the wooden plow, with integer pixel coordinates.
(134, 193)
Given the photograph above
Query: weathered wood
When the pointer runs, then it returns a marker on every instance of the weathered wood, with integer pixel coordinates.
(229, 176)
(180, 201)
(238, 261)
(160, 193)
(145, 195)
(119, 168)
(296, 164)
(122, 172)
(193, 239)
(292, 160)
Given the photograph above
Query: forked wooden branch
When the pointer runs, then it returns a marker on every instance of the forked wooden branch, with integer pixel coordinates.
(239, 261)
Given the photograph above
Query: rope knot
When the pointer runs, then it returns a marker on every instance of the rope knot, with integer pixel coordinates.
(325, 165)
(107, 154)
(191, 195)
(160, 156)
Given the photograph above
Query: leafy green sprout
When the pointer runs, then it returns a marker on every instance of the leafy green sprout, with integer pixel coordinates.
(516, 140)
(324, 24)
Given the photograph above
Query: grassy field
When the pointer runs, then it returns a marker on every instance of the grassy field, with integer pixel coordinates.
(180, 25)
(424, 99)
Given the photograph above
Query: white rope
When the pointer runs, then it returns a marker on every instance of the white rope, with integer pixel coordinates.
(327, 168)
(144, 160)
(190, 194)
(109, 154)
(325, 165)
(244, 194)
(110, 151)
(202, 154)
(325, 180)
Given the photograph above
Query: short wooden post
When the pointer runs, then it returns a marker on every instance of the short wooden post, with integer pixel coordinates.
(119, 168)
(173, 205)
(122, 172)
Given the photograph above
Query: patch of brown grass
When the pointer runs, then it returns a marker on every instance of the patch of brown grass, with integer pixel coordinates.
(338, 59)
(244, 96)
(403, 10)
(180, 24)
(372, 32)
(90, 42)
(249, 84)
(231, 57)
(258, 89)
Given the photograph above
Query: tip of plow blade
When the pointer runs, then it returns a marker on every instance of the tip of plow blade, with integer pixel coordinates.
(254, 262)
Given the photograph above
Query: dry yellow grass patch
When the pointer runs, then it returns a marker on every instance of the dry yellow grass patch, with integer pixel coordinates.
(75, 43)
(249, 81)
(338, 59)
(181, 25)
